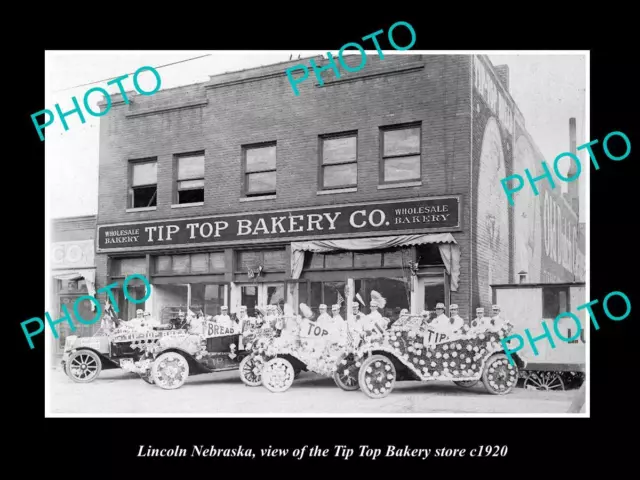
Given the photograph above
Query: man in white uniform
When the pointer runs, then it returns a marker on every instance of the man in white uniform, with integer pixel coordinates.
(497, 321)
(456, 321)
(337, 318)
(323, 317)
(138, 320)
(328, 324)
(441, 322)
(339, 325)
(224, 320)
(479, 324)
(375, 322)
(355, 327)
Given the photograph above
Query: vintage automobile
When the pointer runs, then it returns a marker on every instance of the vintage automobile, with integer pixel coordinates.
(215, 348)
(85, 357)
(297, 345)
(409, 351)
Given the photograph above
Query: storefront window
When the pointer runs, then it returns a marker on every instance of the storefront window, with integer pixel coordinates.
(211, 297)
(323, 293)
(396, 291)
(127, 308)
(429, 255)
(250, 299)
(434, 292)
(167, 298)
(275, 295)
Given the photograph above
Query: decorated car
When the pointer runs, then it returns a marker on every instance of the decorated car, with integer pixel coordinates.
(117, 344)
(296, 344)
(410, 350)
(216, 346)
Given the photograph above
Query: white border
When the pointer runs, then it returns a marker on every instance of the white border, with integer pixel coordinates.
(49, 337)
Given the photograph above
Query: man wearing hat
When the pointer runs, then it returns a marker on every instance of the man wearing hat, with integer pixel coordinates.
(441, 322)
(323, 316)
(375, 322)
(335, 312)
(224, 320)
(139, 318)
(328, 323)
(497, 321)
(479, 324)
(355, 320)
(456, 321)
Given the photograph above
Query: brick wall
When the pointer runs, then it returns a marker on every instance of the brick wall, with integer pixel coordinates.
(258, 105)
(492, 237)
(73, 228)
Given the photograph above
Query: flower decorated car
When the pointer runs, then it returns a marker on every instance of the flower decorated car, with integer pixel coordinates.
(297, 344)
(213, 346)
(117, 344)
(409, 350)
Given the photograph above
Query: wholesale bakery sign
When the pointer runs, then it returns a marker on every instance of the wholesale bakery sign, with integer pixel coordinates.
(420, 215)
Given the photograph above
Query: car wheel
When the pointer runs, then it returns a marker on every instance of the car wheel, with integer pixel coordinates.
(170, 370)
(346, 375)
(377, 376)
(83, 366)
(251, 371)
(499, 376)
(278, 375)
(466, 383)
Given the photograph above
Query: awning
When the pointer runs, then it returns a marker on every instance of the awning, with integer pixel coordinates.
(449, 249)
(89, 275)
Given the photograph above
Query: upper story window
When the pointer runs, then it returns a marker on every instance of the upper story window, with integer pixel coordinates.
(190, 179)
(259, 169)
(339, 161)
(400, 146)
(143, 183)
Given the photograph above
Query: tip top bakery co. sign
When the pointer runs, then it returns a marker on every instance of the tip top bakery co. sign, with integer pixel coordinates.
(418, 215)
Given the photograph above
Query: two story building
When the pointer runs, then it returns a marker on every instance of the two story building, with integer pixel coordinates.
(237, 192)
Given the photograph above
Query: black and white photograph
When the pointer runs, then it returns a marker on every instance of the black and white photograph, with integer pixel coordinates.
(390, 232)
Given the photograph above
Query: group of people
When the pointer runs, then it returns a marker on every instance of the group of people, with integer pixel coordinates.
(454, 324)
(357, 324)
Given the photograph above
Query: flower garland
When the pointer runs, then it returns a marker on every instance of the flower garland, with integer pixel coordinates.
(460, 358)
(322, 360)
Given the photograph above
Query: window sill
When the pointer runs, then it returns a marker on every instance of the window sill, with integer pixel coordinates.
(258, 198)
(141, 209)
(417, 183)
(337, 190)
(186, 205)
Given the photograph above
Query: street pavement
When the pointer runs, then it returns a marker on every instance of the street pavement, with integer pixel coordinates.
(119, 392)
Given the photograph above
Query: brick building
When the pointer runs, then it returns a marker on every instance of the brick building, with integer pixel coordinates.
(236, 191)
(73, 272)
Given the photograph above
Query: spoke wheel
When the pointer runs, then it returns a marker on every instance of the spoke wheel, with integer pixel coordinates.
(499, 376)
(377, 376)
(83, 366)
(544, 381)
(170, 370)
(346, 376)
(251, 371)
(466, 383)
(278, 375)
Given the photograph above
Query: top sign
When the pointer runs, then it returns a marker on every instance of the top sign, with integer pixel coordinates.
(491, 93)
(418, 215)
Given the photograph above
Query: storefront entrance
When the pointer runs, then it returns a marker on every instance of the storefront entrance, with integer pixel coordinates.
(82, 330)
(262, 294)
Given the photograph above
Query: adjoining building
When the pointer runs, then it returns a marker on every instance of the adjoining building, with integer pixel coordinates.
(73, 273)
(235, 191)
